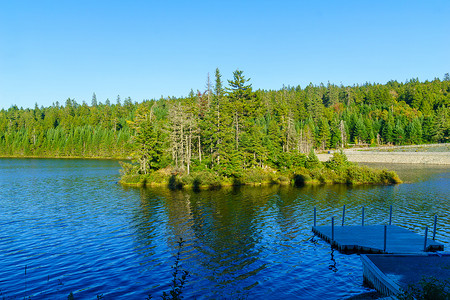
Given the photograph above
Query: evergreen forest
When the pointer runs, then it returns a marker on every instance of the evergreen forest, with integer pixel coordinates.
(227, 128)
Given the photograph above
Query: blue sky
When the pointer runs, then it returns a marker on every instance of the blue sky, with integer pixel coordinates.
(54, 50)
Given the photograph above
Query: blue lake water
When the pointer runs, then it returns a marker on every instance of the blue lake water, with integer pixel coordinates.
(67, 226)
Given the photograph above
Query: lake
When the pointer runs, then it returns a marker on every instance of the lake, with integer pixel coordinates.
(67, 226)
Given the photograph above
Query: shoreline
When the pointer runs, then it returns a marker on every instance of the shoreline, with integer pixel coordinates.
(63, 157)
(367, 156)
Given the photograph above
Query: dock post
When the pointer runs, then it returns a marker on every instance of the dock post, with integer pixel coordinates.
(314, 216)
(434, 228)
(385, 235)
(425, 243)
(332, 231)
(390, 215)
(362, 224)
(343, 215)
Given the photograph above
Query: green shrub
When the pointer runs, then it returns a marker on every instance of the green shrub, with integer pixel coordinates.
(256, 175)
(354, 175)
(131, 179)
(128, 168)
(328, 176)
(428, 288)
(283, 178)
(312, 161)
(175, 183)
(389, 177)
(187, 179)
(370, 175)
(299, 159)
(301, 176)
(315, 173)
(143, 180)
(157, 177)
(338, 161)
(197, 166)
(207, 178)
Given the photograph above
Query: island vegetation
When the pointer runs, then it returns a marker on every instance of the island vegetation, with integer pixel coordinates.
(232, 134)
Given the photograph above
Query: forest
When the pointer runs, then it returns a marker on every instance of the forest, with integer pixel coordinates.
(230, 128)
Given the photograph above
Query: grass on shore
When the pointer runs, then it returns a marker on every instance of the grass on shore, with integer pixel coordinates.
(338, 170)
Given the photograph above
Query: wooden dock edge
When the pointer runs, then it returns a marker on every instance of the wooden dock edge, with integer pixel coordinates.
(347, 248)
(365, 249)
(377, 279)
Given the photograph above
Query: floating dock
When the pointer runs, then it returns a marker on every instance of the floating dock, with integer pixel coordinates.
(371, 239)
(391, 273)
(403, 261)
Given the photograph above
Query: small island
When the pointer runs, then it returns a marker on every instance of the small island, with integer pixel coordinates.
(235, 136)
(306, 170)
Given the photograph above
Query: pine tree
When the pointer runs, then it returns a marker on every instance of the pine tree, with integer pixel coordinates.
(399, 133)
(323, 140)
(360, 132)
(428, 128)
(414, 131)
(218, 106)
(94, 100)
(147, 140)
(441, 126)
(387, 132)
(312, 161)
(239, 97)
(335, 134)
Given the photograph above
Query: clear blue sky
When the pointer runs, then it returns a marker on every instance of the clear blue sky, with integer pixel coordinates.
(53, 50)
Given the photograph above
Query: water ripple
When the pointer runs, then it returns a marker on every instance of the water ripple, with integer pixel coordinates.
(78, 232)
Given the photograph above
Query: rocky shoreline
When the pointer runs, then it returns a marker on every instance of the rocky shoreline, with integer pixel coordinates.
(428, 158)
(396, 155)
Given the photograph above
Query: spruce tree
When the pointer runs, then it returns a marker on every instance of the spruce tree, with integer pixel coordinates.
(414, 131)
(147, 140)
(94, 100)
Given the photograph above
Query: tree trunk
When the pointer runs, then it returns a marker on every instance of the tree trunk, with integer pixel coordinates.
(199, 150)
(236, 130)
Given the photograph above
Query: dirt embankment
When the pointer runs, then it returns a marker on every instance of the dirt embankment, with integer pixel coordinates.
(398, 155)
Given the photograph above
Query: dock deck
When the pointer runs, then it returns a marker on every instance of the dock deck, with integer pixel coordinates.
(370, 239)
(389, 274)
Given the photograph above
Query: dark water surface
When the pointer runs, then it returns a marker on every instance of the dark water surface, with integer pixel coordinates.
(67, 226)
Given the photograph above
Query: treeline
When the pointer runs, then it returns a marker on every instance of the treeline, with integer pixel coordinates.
(233, 127)
(70, 130)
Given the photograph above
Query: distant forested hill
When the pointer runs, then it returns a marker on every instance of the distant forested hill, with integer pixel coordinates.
(231, 125)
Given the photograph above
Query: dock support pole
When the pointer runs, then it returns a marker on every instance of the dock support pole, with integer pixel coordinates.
(343, 215)
(362, 223)
(390, 215)
(385, 236)
(332, 231)
(434, 228)
(314, 216)
(425, 243)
